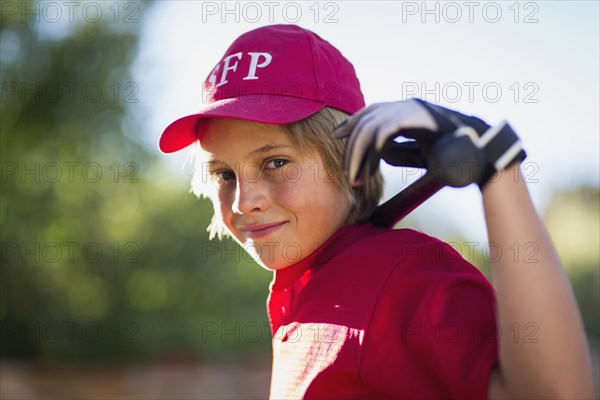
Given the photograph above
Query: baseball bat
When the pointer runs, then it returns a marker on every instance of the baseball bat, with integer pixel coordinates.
(446, 150)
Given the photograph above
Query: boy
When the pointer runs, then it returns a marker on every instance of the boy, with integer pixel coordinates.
(358, 311)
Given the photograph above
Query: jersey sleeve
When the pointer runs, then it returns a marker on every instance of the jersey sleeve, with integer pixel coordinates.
(432, 333)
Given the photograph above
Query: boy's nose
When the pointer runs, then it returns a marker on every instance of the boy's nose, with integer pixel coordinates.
(250, 196)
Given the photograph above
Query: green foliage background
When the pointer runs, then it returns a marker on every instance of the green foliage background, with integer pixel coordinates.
(91, 186)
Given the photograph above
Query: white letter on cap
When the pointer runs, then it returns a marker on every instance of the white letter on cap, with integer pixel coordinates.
(212, 79)
(254, 64)
(226, 67)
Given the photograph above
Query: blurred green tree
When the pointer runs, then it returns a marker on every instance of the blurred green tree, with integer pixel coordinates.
(102, 255)
(573, 219)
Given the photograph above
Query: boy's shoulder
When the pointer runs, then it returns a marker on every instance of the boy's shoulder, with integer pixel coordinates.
(380, 251)
(375, 235)
(402, 245)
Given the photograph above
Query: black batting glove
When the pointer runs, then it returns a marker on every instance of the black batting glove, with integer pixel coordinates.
(448, 137)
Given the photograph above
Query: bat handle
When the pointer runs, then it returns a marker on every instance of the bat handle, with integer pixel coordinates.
(404, 202)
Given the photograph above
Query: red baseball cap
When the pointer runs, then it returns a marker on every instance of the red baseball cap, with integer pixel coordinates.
(277, 74)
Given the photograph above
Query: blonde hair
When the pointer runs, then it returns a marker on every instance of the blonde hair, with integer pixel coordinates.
(310, 134)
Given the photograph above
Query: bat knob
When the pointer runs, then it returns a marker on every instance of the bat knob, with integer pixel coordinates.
(456, 161)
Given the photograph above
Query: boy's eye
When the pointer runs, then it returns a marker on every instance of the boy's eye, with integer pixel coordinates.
(223, 176)
(276, 163)
(227, 175)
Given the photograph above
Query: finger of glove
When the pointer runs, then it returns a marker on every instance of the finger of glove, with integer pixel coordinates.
(358, 145)
(361, 152)
(379, 123)
(345, 128)
(393, 111)
(403, 120)
(418, 116)
(367, 166)
(449, 119)
(374, 127)
(342, 130)
(387, 125)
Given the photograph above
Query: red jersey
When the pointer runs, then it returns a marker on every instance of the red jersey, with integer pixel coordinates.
(377, 313)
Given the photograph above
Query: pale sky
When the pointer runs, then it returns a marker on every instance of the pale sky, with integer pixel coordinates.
(533, 63)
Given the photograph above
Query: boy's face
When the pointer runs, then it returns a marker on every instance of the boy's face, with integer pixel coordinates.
(277, 202)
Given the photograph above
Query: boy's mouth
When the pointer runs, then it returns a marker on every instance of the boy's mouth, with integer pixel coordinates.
(260, 230)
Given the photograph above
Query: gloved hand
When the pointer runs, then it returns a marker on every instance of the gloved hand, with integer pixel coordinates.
(447, 136)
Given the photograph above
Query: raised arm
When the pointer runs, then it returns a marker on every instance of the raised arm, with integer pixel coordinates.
(542, 347)
(543, 351)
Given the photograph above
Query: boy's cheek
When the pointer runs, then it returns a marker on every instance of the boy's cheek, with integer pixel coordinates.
(290, 173)
(224, 197)
(222, 206)
(288, 194)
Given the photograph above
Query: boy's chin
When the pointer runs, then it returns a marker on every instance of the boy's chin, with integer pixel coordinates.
(271, 263)
(270, 256)
(274, 266)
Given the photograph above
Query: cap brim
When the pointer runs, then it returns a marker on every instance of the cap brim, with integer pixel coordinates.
(266, 109)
